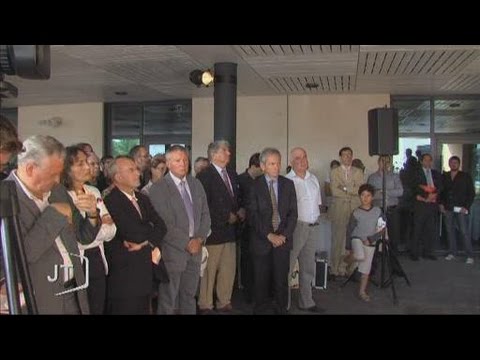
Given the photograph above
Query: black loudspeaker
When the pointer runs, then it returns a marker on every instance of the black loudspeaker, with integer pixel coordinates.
(383, 131)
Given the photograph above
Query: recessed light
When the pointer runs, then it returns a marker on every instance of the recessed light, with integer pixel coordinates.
(121, 93)
(311, 85)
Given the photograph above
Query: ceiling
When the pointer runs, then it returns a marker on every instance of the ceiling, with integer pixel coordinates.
(91, 73)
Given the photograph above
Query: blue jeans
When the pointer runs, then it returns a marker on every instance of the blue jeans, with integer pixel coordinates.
(453, 220)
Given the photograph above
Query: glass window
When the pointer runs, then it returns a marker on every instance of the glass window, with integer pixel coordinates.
(126, 120)
(170, 119)
(457, 116)
(421, 145)
(123, 146)
(154, 149)
(413, 115)
(153, 124)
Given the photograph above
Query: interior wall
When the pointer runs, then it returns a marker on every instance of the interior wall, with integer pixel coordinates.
(79, 123)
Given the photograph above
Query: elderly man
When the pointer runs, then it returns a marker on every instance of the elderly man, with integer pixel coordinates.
(345, 182)
(47, 214)
(307, 231)
(181, 202)
(136, 245)
(221, 187)
(272, 211)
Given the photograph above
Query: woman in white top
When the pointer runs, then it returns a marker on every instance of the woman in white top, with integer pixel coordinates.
(76, 173)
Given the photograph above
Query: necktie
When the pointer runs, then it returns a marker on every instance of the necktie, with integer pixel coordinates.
(135, 203)
(275, 215)
(429, 177)
(227, 183)
(188, 207)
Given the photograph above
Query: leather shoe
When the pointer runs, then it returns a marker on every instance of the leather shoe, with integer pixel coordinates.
(313, 309)
(205, 312)
(414, 258)
(226, 308)
(430, 257)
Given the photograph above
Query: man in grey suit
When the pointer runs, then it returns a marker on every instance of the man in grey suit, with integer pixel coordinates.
(51, 226)
(181, 202)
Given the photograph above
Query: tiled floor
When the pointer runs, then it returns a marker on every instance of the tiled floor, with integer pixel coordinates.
(437, 287)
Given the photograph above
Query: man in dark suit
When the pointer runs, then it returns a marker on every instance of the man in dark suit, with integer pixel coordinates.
(136, 244)
(181, 201)
(221, 187)
(272, 212)
(245, 185)
(427, 186)
(51, 226)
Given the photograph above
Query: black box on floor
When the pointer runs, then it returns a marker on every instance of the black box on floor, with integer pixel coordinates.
(321, 272)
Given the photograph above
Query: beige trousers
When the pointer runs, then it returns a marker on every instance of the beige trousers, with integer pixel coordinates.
(219, 275)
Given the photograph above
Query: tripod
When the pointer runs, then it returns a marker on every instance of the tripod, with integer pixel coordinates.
(13, 252)
(389, 260)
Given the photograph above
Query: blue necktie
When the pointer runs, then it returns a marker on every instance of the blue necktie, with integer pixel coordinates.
(188, 206)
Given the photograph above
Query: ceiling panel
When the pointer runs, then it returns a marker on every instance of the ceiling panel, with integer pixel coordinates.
(83, 73)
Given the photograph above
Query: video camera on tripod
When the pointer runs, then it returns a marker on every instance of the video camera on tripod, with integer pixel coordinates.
(29, 62)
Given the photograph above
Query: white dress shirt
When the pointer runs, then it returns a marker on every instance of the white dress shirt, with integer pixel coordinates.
(219, 170)
(106, 232)
(309, 197)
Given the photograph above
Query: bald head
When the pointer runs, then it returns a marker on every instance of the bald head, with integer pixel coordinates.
(299, 161)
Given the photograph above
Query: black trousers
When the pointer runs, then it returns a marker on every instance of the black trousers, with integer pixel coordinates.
(246, 262)
(272, 267)
(97, 282)
(425, 228)
(139, 305)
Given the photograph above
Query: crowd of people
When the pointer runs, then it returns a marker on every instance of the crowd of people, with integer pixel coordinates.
(147, 225)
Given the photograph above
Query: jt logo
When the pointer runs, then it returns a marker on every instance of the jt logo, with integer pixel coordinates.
(66, 271)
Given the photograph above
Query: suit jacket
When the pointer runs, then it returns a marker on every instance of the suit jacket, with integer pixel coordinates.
(220, 204)
(168, 202)
(260, 213)
(39, 231)
(130, 272)
(421, 179)
(337, 178)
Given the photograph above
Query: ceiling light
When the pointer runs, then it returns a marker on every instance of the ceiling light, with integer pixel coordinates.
(200, 77)
(121, 93)
(311, 85)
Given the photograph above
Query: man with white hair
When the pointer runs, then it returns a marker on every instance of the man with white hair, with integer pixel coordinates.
(307, 231)
(46, 216)
(180, 200)
(221, 186)
(272, 211)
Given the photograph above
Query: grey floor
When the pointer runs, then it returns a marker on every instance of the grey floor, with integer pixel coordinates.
(437, 287)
